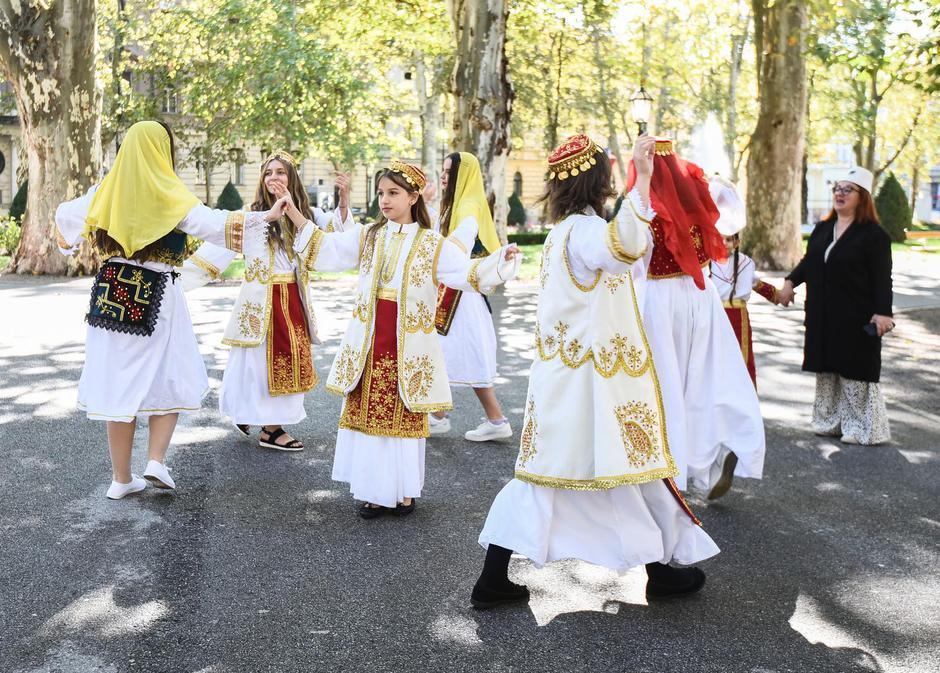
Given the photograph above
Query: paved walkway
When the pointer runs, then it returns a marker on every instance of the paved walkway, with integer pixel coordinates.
(259, 563)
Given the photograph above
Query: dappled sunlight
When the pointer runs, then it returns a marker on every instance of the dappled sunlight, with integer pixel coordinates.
(574, 586)
(456, 630)
(98, 612)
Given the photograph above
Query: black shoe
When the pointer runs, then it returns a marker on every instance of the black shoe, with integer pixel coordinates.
(668, 582)
(404, 510)
(367, 512)
(723, 483)
(484, 598)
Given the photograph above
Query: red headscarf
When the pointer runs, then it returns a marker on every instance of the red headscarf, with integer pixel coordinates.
(679, 195)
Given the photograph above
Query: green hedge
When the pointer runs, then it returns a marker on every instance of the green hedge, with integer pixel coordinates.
(229, 199)
(18, 206)
(528, 238)
(894, 209)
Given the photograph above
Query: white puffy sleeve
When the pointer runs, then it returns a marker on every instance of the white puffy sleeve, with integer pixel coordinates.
(610, 246)
(227, 228)
(206, 264)
(334, 251)
(330, 222)
(465, 235)
(70, 222)
(455, 269)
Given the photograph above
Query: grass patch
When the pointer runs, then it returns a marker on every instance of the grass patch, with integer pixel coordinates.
(928, 246)
(4, 262)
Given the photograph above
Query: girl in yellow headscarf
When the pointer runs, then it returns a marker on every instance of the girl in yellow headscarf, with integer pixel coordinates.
(463, 318)
(141, 355)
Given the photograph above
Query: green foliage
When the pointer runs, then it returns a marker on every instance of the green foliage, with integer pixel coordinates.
(373, 213)
(229, 199)
(894, 209)
(528, 238)
(517, 215)
(18, 206)
(9, 235)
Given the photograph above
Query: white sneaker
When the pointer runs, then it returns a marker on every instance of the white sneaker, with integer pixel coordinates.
(159, 475)
(488, 431)
(848, 439)
(117, 490)
(438, 426)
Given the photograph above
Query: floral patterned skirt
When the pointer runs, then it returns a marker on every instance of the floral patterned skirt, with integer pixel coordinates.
(290, 362)
(374, 406)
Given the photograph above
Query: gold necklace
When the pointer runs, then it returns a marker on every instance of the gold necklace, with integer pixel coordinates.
(390, 263)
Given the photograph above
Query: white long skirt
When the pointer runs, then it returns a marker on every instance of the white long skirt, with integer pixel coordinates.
(620, 528)
(470, 344)
(245, 398)
(128, 376)
(710, 402)
(380, 470)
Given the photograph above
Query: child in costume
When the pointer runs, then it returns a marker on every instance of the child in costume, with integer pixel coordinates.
(714, 421)
(141, 356)
(272, 325)
(593, 474)
(463, 318)
(736, 277)
(389, 366)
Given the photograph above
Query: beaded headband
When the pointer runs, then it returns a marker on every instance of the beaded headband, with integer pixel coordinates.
(280, 154)
(572, 157)
(412, 174)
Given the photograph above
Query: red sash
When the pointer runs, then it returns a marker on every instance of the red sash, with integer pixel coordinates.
(741, 322)
(290, 363)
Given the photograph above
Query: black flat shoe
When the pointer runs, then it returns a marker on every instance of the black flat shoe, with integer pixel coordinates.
(367, 512)
(244, 429)
(667, 582)
(484, 597)
(405, 510)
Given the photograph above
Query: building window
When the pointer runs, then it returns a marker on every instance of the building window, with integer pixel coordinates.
(935, 196)
(237, 174)
(169, 102)
(517, 184)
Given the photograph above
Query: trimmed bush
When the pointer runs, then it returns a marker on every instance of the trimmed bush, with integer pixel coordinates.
(9, 235)
(528, 238)
(894, 209)
(517, 215)
(229, 199)
(18, 206)
(373, 213)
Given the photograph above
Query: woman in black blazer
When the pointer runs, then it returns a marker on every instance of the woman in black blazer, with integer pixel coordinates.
(847, 271)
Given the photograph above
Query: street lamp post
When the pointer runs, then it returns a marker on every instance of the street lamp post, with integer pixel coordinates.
(641, 104)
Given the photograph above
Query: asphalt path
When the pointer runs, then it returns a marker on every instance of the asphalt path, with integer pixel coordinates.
(258, 561)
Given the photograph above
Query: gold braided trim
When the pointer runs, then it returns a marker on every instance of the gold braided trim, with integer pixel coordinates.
(597, 483)
(235, 231)
(607, 362)
(734, 303)
(436, 260)
(615, 245)
(456, 241)
(678, 274)
(389, 293)
(281, 155)
(210, 269)
(413, 176)
(473, 277)
(60, 239)
(564, 254)
(575, 165)
(745, 333)
(313, 247)
(266, 320)
(636, 213)
(283, 278)
(664, 148)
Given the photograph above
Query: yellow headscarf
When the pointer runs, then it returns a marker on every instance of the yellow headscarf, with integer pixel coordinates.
(470, 201)
(141, 199)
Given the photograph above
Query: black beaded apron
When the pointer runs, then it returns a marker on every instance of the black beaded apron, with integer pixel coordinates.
(126, 298)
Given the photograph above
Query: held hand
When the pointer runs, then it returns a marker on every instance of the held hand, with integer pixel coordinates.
(280, 191)
(278, 209)
(512, 251)
(430, 191)
(643, 151)
(786, 294)
(883, 324)
(343, 181)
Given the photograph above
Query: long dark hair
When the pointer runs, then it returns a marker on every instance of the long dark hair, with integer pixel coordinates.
(108, 247)
(419, 211)
(865, 212)
(447, 200)
(282, 230)
(576, 193)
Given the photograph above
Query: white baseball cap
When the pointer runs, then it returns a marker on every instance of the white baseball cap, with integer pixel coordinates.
(732, 215)
(859, 176)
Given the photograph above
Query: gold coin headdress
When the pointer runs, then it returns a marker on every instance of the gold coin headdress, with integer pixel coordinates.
(574, 156)
(413, 175)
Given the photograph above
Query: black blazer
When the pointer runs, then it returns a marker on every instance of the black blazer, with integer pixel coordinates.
(842, 294)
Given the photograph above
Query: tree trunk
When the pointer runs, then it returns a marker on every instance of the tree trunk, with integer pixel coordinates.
(429, 110)
(553, 91)
(482, 93)
(48, 56)
(608, 108)
(774, 165)
(731, 130)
